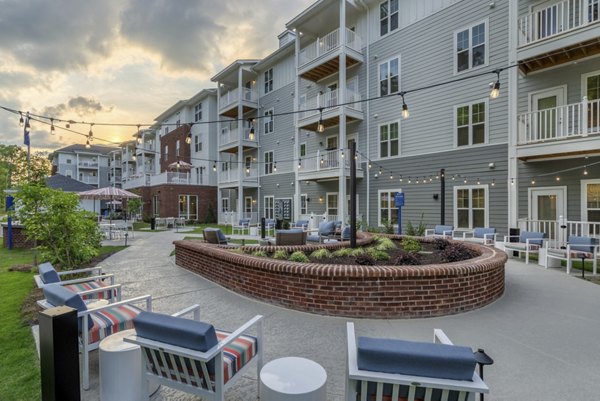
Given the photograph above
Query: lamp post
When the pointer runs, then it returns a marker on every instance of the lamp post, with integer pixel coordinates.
(352, 194)
(482, 359)
(443, 196)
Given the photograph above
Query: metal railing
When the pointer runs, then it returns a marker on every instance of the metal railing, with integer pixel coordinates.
(329, 100)
(556, 19)
(561, 230)
(88, 164)
(230, 136)
(327, 160)
(89, 180)
(233, 175)
(326, 44)
(233, 96)
(572, 120)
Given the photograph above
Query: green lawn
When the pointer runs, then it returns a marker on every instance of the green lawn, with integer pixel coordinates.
(198, 229)
(19, 364)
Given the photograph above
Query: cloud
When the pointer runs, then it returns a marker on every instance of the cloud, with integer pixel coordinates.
(80, 105)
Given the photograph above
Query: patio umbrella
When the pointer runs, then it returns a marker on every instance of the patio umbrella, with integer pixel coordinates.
(108, 193)
(180, 165)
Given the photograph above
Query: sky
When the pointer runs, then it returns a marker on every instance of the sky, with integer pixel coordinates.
(121, 61)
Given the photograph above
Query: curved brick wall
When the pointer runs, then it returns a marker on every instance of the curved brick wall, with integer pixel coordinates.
(352, 290)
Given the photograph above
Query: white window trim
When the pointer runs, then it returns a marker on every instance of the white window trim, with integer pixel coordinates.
(251, 204)
(337, 207)
(584, 78)
(379, 203)
(265, 162)
(530, 190)
(305, 149)
(487, 124)
(272, 197)
(379, 157)
(305, 196)
(389, 31)
(487, 47)
(225, 199)
(337, 140)
(265, 120)
(531, 94)
(188, 203)
(387, 61)
(265, 81)
(584, 208)
(486, 207)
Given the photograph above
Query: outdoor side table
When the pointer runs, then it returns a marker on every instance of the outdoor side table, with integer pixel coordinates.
(122, 375)
(293, 379)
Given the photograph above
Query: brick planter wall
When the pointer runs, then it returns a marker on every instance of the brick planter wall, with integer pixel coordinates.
(19, 237)
(352, 290)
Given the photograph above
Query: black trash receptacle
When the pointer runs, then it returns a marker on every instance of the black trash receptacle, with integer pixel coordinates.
(514, 237)
(153, 223)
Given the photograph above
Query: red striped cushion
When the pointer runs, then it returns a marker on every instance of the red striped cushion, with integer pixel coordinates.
(90, 285)
(574, 254)
(112, 320)
(237, 354)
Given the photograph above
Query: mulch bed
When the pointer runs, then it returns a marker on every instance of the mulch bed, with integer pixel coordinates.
(427, 256)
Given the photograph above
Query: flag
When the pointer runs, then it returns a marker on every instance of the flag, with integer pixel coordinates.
(26, 140)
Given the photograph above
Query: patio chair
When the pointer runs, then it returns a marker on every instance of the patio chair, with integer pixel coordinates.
(479, 235)
(193, 356)
(97, 323)
(530, 242)
(270, 226)
(345, 234)
(326, 231)
(576, 248)
(396, 370)
(295, 236)
(242, 225)
(303, 224)
(96, 286)
(440, 231)
(214, 236)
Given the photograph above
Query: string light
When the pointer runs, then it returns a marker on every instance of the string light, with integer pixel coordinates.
(91, 133)
(557, 178)
(299, 164)
(401, 178)
(215, 166)
(188, 138)
(533, 181)
(52, 129)
(496, 87)
(405, 112)
(391, 176)
(512, 182)
(465, 181)
(247, 169)
(87, 144)
(380, 171)
(585, 172)
(320, 126)
(417, 180)
(493, 182)
(409, 180)
(274, 166)
(370, 165)
(342, 154)
(251, 134)
(21, 121)
(478, 182)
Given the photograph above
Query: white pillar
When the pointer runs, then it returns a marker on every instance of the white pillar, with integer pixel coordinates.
(513, 76)
(342, 202)
(240, 153)
(296, 131)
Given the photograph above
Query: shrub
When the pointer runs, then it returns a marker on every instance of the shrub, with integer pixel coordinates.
(440, 244)
(365, 259)
(298, 256)
(411, 245)
(377, 254)
(456, 253)
(280, 254)
(385, 244)
(358, 251)
(321, 254)
(372, 229)
(343, 252)
(417, 231)
(388, 227)
(261, 254)
(407, 259)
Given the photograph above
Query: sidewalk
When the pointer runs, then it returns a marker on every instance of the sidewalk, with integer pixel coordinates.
(542, 333)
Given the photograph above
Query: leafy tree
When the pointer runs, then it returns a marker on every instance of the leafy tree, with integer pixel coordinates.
(65, 234)
(134, 206)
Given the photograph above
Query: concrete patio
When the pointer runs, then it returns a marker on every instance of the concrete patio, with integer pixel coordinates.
(541, 333)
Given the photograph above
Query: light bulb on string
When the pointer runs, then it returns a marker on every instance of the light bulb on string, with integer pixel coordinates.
(401, 180)
(533, 181)
(417, 180)
(585, 172)
(496, 87)
(215, 165)
(21, 121)
(465, 181)
(478, 182)
(87, 144)
(380, 171)
(299, 164)
(323, 161)
(557, 178)
(405, 112)
(430, 179)
(52, 129)
(342, 154)
(188, 138)
(391, 176)
(454, 177)
(493, 182)
(512, 182)
(91, 133)
(320, 125)
(370, 165)
(409, 180)
(274, 166)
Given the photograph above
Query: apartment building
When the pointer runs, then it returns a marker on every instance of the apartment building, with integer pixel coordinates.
(87, 165)
(554, 113)
(169, 164)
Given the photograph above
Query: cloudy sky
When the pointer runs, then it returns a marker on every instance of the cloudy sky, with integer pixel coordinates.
(121, 60)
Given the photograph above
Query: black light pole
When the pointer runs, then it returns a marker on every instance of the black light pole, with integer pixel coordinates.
(443, 196)
(482, 360)
(352, 194)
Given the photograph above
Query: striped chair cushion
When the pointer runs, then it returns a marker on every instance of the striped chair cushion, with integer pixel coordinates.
(112, 320)
(574, 254)
(521, 246)
(237, 354)
(388, 393)
(90, 285)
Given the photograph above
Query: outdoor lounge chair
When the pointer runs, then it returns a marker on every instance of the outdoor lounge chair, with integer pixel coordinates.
(94, 324)
(529, 242)
(303, 224)
(346, 234)
(326, 231)
(270, 226)
(396, 370)
(193, 356)
(242, 225)
(479, 235)
(214, 236)
(440, 231)
(85, 286)
(295, 236)
(576, 248)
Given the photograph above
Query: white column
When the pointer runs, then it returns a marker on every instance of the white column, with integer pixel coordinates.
(240, 153)
(513, 76)
(296, 131)
(342, 202)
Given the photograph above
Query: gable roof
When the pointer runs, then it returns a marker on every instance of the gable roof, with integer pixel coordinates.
(67, 184)
(80, 148)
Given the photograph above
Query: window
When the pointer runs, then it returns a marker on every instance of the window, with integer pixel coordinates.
(268, 121)
(224, 205)
(177, 123)
(198, 112)
(177, 148)
(470, 48)
(248, 207)
(303, 204)
(155, 205)
(166, 130)
(188, 207)
(268, 80)
(197, 143)
(69, 161)
(590, 201)
(470, 124)
(388, 16)
(470, 208)
(389, 77)
(269, 162)
(269, 207)
(166, 152)
(389, 142)
(387, 208)
(303, 149)
(332, 205)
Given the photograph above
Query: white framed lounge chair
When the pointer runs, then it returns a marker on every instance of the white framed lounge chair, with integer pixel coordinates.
(479, 235)
(529, 242)
(440, 231)
(576, 248)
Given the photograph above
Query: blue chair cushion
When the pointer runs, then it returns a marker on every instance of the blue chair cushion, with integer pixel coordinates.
(582, 244)
(480, 232)
(57, 295)
(221, 236)
(415, 358)
(439, 229)
(346, 233)
(291, 230)
(534, 237)
(313, 238)
(48, 274)
(244, 222)
(327, 228)
(177, 331)
(301, 223)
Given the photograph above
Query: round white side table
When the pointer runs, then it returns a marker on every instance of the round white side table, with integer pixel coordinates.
(122, 374)
(293, 379)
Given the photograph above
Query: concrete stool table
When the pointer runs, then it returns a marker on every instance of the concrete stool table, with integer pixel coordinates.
(122, 374)
(293, 379)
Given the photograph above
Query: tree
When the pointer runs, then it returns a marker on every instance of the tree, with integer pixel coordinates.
(65, 234)
(133, 206)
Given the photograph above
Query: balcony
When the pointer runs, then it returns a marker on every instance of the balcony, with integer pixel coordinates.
(136, 181)
(559, 131)
(89, 165)
(309, 115)
(146, 147)
(231, 178)
(558, 33)
(321, 58)
(228, 102)
(89, 180)
(233, 219)
(229, 139)
(326, 165)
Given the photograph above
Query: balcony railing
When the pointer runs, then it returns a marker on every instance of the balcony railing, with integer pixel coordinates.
(569, 121)
(89, 180)
(233, 96)
(561, 230)
(556, 19)
(169, 178)
(233, 175)
(326, 160)
(88, 164)
(326, 44)
(229, 136)
(329, 100)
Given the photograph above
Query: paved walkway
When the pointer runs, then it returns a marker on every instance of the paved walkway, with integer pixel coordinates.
(543, 333)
